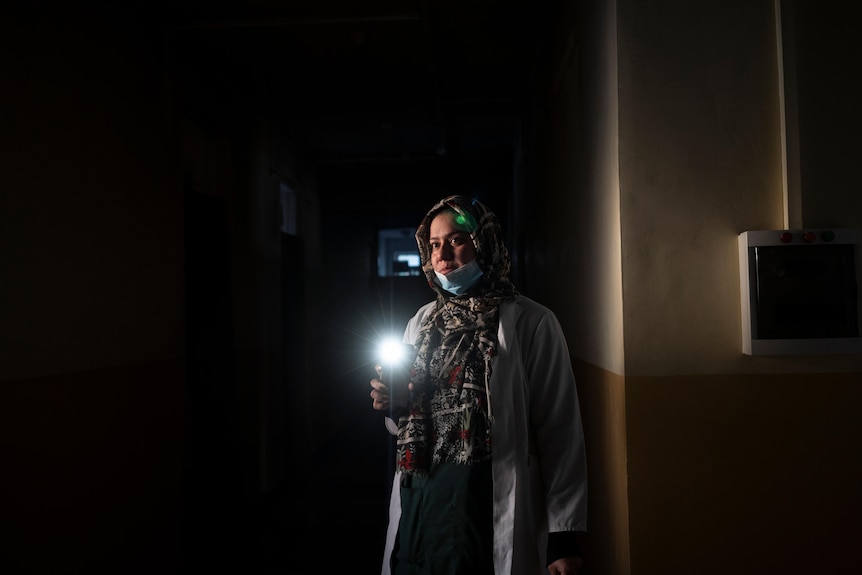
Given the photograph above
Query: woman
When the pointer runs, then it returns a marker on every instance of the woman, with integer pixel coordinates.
(491, 470)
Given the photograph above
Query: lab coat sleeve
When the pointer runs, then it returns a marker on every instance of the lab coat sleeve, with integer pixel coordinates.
(555, 422)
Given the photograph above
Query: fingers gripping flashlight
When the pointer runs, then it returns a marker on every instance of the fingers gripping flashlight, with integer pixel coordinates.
(395, 361)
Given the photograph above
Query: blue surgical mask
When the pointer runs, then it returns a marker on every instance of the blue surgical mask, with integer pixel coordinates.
(460, 280)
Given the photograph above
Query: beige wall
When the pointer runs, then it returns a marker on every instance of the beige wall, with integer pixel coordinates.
(701, 458)
(700, 162)
(572, 236)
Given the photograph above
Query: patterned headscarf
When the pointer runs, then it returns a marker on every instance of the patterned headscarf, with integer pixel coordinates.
(449, 417)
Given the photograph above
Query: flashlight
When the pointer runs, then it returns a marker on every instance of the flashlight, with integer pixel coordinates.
(396, 359)
(391, 351)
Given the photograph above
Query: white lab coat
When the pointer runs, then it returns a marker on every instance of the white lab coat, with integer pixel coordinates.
(538, 457)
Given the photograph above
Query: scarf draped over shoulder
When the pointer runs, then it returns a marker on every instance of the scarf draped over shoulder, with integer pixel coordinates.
(449, 417)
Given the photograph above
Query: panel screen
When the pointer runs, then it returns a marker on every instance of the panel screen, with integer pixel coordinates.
(806, 291)
(799, 291)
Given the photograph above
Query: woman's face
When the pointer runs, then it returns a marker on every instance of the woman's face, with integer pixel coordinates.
(451, 246)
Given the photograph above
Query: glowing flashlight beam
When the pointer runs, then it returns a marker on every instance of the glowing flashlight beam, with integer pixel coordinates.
(391, 351)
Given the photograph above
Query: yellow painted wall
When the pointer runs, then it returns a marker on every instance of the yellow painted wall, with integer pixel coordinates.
(755, 474)
(603, 403)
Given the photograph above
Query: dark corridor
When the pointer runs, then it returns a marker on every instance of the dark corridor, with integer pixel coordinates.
(385, 107)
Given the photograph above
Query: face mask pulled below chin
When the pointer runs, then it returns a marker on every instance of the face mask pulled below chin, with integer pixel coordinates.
(461, 279)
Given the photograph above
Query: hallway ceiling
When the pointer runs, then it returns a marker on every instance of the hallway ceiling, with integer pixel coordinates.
(372, 81)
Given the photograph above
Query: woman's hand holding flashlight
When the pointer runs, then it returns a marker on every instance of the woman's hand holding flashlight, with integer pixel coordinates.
(390, 390)
(380, 394)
